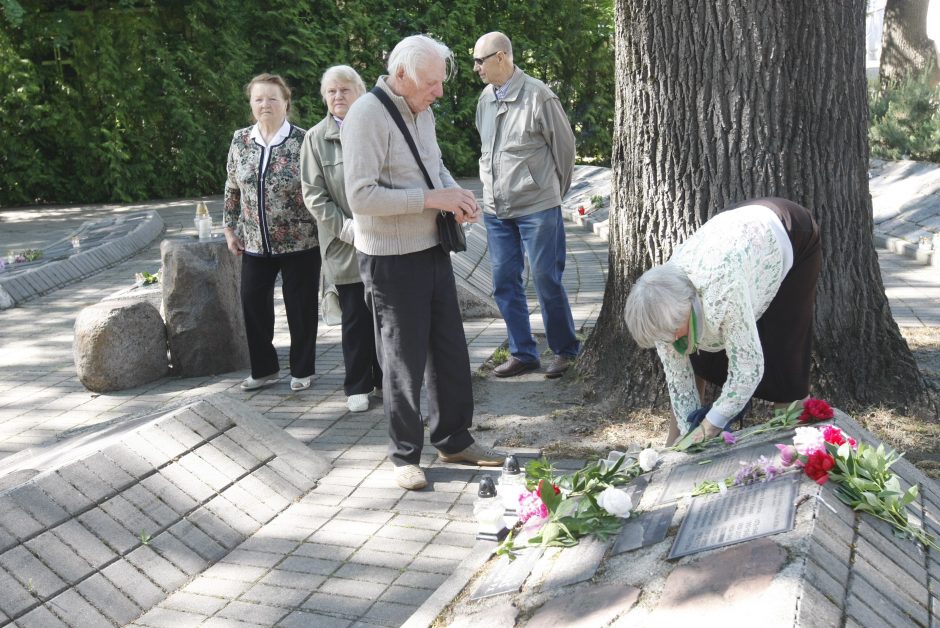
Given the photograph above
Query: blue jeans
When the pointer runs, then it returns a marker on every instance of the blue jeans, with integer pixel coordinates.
(541, 236)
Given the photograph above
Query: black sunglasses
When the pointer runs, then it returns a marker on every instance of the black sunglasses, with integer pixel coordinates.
(479, 61)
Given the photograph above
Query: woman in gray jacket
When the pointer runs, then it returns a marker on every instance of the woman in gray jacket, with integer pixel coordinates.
(321, 163)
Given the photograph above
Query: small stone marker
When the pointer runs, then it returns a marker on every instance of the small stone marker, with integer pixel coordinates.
(593, 607)
(576, 564)
(647, 529)
(740, 515)
(507, 576)
(684, 478)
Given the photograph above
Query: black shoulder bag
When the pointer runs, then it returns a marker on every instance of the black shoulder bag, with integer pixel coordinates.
(451, 233)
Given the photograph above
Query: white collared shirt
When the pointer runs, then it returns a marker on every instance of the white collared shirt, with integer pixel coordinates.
(279, 137)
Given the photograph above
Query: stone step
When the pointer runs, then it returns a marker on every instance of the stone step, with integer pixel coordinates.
(104, 525)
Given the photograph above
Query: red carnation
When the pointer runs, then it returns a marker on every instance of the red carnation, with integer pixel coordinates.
(815, 410)
(818, 465)
(538, 490)
(833, 435)
(581, 210)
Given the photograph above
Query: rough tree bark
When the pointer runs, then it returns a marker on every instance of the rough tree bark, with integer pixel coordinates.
(905, 47)
(722, 101)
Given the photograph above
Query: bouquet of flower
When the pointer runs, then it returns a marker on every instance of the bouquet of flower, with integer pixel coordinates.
(560, 510)
(860, 472)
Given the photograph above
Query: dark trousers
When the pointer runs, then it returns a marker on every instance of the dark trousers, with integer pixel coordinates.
(786, 328)
(300, 276)
(419, 335)
(363, 372)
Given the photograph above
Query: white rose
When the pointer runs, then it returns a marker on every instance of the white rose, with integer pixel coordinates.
(616, 502)
(648, 459)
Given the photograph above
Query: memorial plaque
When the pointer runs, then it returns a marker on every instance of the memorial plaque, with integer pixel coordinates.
(740, 515)
(507, 576)
(682, 479)
(647, 529)
(635, 490)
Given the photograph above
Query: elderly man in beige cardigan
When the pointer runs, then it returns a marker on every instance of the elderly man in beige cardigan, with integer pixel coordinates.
(408, 276)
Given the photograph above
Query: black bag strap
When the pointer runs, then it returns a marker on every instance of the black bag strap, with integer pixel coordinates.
(379, 93)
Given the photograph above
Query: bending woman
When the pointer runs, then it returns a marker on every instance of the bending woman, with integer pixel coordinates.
(733, 306)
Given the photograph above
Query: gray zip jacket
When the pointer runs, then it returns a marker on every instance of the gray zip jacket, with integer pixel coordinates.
(527, 148)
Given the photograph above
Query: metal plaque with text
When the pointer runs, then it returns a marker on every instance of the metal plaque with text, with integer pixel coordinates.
(741, 514)
(684, 478)
(507, 576)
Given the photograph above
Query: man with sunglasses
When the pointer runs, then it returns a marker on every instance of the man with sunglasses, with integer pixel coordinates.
(526, 165)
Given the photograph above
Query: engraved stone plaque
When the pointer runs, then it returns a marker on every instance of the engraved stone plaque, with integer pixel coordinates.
(507, 576)
(647, 529)
(740, 515)
(682, 479)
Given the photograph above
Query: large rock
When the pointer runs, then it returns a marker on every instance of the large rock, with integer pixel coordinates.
(202, 305)
(119, 345)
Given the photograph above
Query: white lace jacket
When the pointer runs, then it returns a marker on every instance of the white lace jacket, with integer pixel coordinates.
(736, 263)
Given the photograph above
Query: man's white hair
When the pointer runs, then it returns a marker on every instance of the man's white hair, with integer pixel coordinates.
(415, 52)
(658, 304)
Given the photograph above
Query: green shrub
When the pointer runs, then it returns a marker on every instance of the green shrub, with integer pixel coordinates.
(905, 120)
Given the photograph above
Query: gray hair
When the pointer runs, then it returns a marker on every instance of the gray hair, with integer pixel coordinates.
(658, 304)
(343, 74)
(414, 52)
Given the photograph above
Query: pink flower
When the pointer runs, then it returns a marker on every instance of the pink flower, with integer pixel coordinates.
(807, 440)
(531, 505)
(815, 410)
(788, 455)
(728, 437)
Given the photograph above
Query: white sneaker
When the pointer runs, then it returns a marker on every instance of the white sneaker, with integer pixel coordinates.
(250, 383)
(358, 403)
(411, 477)
(299, 383)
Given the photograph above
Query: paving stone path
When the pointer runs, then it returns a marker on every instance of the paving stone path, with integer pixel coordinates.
(357, 550)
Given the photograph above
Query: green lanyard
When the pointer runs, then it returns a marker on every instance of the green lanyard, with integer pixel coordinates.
(689, 342)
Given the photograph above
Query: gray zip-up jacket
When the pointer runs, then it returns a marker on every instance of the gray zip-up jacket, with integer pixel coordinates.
(527, 148)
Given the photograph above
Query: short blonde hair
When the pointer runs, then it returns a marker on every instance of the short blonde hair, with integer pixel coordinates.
(274, 79)
(343, 74)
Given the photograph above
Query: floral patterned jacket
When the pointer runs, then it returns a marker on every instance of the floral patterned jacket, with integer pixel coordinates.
(267, 212)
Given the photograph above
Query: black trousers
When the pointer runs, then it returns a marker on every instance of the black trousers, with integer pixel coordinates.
(419, 335)
(363, 372)
(786, 328)
(300, 277)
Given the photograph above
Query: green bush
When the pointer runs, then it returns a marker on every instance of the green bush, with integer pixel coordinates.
(905, 120)
(138, 99)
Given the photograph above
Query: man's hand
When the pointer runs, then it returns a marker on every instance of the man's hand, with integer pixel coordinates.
(460, 202)
(235, 245)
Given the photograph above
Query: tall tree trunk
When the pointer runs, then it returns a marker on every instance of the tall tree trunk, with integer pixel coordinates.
(722, 101)
(905, 47)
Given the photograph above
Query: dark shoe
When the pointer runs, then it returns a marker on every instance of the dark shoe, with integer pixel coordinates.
(558, 367)
(514, 366)
(475, 454)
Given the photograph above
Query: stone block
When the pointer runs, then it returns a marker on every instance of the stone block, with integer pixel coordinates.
(84, 543)
(133, 584)
(201, 299)
(17, 521)
(198, 541)
(43, 509)
(119, 345)
(31, 572)
(14, 597)
(40, 617)
(109, 530)
(597, 606)
(175, 551)
(102, 594)
(78, 611)
(161, 571)
(169, 494)
(152, 507)
(215, 527)
(58, 556)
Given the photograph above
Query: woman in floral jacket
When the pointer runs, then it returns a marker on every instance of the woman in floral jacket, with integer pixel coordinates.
(268, 225)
